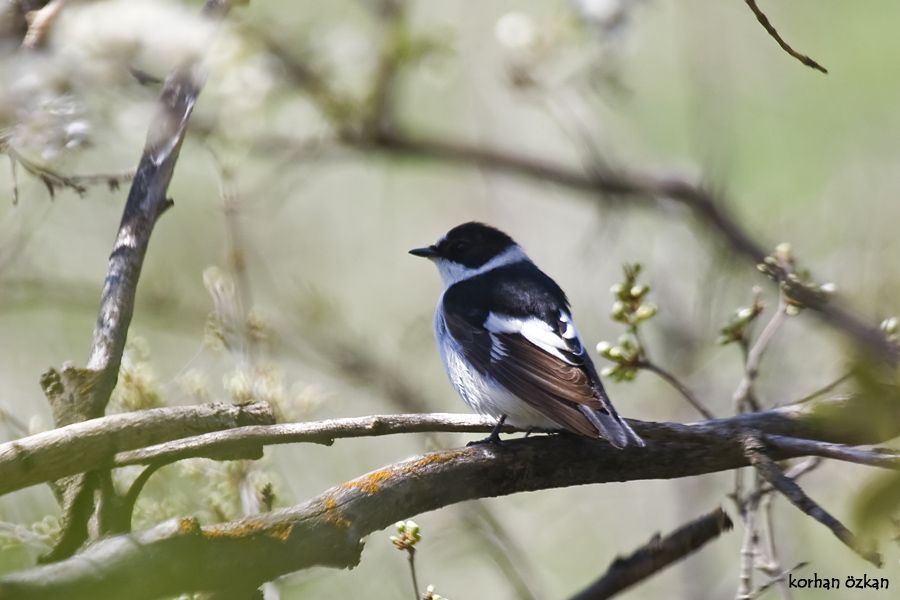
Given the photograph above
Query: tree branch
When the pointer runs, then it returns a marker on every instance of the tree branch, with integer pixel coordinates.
(327, 530)
(82, 394)
(770, 29)
(147, 200)
(673, 381)
(89, 445)
(772, 473)
(656, 555)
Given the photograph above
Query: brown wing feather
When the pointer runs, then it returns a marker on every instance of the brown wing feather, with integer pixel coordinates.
(549, 384)
(568, 394)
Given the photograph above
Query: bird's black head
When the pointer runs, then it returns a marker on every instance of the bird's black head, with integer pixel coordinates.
(470, 244)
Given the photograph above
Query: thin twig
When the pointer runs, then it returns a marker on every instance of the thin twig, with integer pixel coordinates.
(772, 566)
(682, 389)
(770, 29)
(772, 473)
(743, 395)
(778, 579)
(53, 179)
(884, 458)
(825, 389)
(411, 554)
(656, 555)
(749, 510)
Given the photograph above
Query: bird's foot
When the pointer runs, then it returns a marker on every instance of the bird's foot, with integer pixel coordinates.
(493, 438)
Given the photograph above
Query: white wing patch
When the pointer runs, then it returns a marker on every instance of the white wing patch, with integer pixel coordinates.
(568, 332)
(536, 331)
(498, 350)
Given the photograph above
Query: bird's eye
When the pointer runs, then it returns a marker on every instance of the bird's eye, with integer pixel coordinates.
(457, 246)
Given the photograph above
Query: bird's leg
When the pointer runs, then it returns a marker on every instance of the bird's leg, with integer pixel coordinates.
(531, 430)
(494, 437)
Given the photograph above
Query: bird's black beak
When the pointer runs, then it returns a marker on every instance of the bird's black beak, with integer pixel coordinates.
(426, 252)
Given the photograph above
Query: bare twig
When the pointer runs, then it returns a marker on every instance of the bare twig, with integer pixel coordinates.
(749, 510)
(682, 389)
(795, 472)
(411, 555)
(777, 579)
(250, 440)
(770, 29)
(826, 388)
(656, 555)
(53, 179)
(772, 566)
(772, 473)
(877, 457)
(743, 395)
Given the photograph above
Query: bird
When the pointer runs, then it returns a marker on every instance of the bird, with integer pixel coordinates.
(508, 341)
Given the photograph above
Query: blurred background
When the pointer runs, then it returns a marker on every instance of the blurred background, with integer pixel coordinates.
(281, 273)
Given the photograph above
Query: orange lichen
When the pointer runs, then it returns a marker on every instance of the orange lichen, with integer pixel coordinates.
(281, 531)
(251, 528)
(333, 516)
(188, 526)
(371, 483)
(435, 458)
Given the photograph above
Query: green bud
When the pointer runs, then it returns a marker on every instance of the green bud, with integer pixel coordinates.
(645, 311)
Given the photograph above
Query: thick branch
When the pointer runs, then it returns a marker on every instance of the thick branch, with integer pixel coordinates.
(656, 555)
(327, 530)
(89, 445)
(812, 428)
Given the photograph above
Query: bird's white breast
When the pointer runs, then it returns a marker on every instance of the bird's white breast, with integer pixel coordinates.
(482, 394)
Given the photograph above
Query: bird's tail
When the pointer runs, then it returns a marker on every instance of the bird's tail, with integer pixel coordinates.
(611, 426)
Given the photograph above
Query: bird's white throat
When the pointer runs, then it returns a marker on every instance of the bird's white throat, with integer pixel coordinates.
(454, 272)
